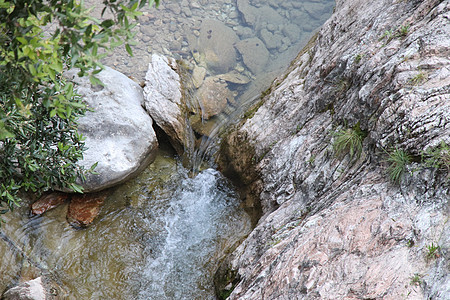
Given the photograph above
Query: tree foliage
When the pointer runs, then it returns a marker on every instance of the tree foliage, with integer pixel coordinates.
(39, 39)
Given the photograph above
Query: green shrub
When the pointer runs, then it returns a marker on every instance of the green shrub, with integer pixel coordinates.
(402, 31)
(416, 279)
(358, 58)
(398, 160)
(348, 140)
(432, 251)
(419, 78)
(438, 157)
(39, 142)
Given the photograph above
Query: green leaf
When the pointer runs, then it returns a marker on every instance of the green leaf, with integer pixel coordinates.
(107, 23)
(76, 188)
(4, 133)
(22, 40)
(95, 81)
(128, 48)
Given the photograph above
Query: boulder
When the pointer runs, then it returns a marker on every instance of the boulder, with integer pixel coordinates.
(164, 101)
(216, 43)
(234, 77)
(118, 131)
(83, 208)
(293, 32)
(28, 290)
(271, 40)
(255, 16)
(248, 12)
(254, 54)
(213, 96)
(47, 202)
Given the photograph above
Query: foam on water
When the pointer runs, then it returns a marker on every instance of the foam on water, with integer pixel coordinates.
(199, 216)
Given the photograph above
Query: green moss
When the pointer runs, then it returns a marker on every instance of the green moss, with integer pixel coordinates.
(226, 284)
(251, 112)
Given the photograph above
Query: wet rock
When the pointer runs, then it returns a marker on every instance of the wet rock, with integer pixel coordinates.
(213, 96)
(316, 10)
(244, 32)
(198, 74)
(254, 54)
(47, 202)
(298, 17)
(174, 7)
(216, 43)
(293, 32)
(83, 208)
(29, 290)
(270, 16)
(271, 40)
(255, 16)
(203, 127)
(248, 12)
(234, 77)
(163, 99)
(119, 133)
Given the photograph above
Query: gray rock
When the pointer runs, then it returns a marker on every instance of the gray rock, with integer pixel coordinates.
(255, 16)
(316, 10)
(248, 11)
(271, 40)
(244, 32)
(234, 77)
(119, 134)
(28, 290)
(216, 43)
(338, 228)
(254, 54)
(293, 32)
(163, 100)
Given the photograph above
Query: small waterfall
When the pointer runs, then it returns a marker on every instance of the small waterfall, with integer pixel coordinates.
(200, 217)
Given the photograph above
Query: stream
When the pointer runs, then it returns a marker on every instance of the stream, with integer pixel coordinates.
(162, 234)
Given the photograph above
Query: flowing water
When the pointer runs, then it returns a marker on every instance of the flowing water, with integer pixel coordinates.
(162, 234)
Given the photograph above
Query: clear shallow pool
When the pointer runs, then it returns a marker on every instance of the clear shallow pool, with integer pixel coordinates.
(160, 236)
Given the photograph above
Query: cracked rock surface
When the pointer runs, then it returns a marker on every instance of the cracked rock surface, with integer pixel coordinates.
(338, 227)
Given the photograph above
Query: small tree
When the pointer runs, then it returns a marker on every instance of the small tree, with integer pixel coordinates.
(39, 142)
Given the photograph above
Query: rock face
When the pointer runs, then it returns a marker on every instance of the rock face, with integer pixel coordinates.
(339, 228)
(29, 290)
(164, 101)
(119, 133)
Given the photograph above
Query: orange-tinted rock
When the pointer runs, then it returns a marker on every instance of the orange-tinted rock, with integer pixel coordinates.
(47, 202)
(84, 208)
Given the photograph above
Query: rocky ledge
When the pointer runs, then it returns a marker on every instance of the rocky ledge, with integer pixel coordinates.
(364, 220)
